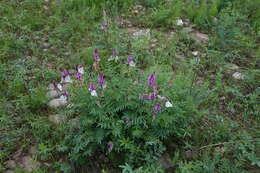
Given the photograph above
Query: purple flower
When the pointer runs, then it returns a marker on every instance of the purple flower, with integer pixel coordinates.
(65, 73)
(151, 80)
(55, 84)
(101, 80)
(110, 146)
(78, 76)
(130, 61)
(91, 87)
(113, 52)
(157, 107)
(96, 56)
(66, 94)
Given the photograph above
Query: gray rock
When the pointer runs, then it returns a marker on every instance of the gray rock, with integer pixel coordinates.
(29, 164)
(57, 118)
(200, 37)
(46, 45)
(33, 150)
(11, 164)
(8, 171)
(55, 103)
(142, 32)
(52, 94)
(72, 71)
(165, 161)
(238, 76)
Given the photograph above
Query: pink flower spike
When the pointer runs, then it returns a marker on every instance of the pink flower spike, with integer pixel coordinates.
(101, 79)
(151, 80)
(65, 73)
(96, 56)
(157, 107)
(91, 87)
(78, 76)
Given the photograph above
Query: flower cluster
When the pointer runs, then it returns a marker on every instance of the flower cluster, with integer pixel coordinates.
(151, 83)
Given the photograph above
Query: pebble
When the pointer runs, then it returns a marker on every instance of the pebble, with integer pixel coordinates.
(72, 71)
(57, 118)
(29, 164)
(55, 103)
(195, 53)
(11, 164)
(52, 94)
(46, 45)
(238, 76)
(142, 32)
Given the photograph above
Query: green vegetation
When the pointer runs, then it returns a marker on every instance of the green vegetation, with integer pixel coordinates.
(205, 55)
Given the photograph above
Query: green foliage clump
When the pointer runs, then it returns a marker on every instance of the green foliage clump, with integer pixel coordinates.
(120, 115)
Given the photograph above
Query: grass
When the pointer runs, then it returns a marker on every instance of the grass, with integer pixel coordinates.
(39, 39)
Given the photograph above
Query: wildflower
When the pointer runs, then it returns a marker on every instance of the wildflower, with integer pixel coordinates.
(151, 80)
(113, 56)
(65, 77)
(78, 76)
(157, 107)
(57, 85)
(179, 22)
(96, 56)
(110, 146)
(101, 80)
(80, 69)
(92, 89)
(130, 61)
(63, 98)
(168, 104)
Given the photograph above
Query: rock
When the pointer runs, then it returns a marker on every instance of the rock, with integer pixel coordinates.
(195, 53)
(51, 86)
(11, 164)
(238, 76)
(46, 45)
(200, 36)
(9, 171)
(52, 94)
(231, 67)
(165, 161)
(180, 57)
(189, 155)
(187, 29)
(142, 32)
(29, 164)
(57, 118)
(33, 150)
(72, 71)
(55, 103)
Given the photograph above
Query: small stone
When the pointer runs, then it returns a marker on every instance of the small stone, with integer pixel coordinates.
(72, 71)
(238, 76)
(55, 103)
(189, 154)
(51, 86)
(52, 94)
(29, 164)
(46, 7)
(195, 53)
(11, 164)
(200, 36)
(153, 45)
(180, 57)
(142, 32)
(33, 150)
(57, 118)
(45, 50)
(165, 161)
(46, 45)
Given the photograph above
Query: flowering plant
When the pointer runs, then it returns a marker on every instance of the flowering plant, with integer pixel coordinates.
(122, 114)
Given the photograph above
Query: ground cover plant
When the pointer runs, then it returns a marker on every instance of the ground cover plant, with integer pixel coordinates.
(129, 86)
